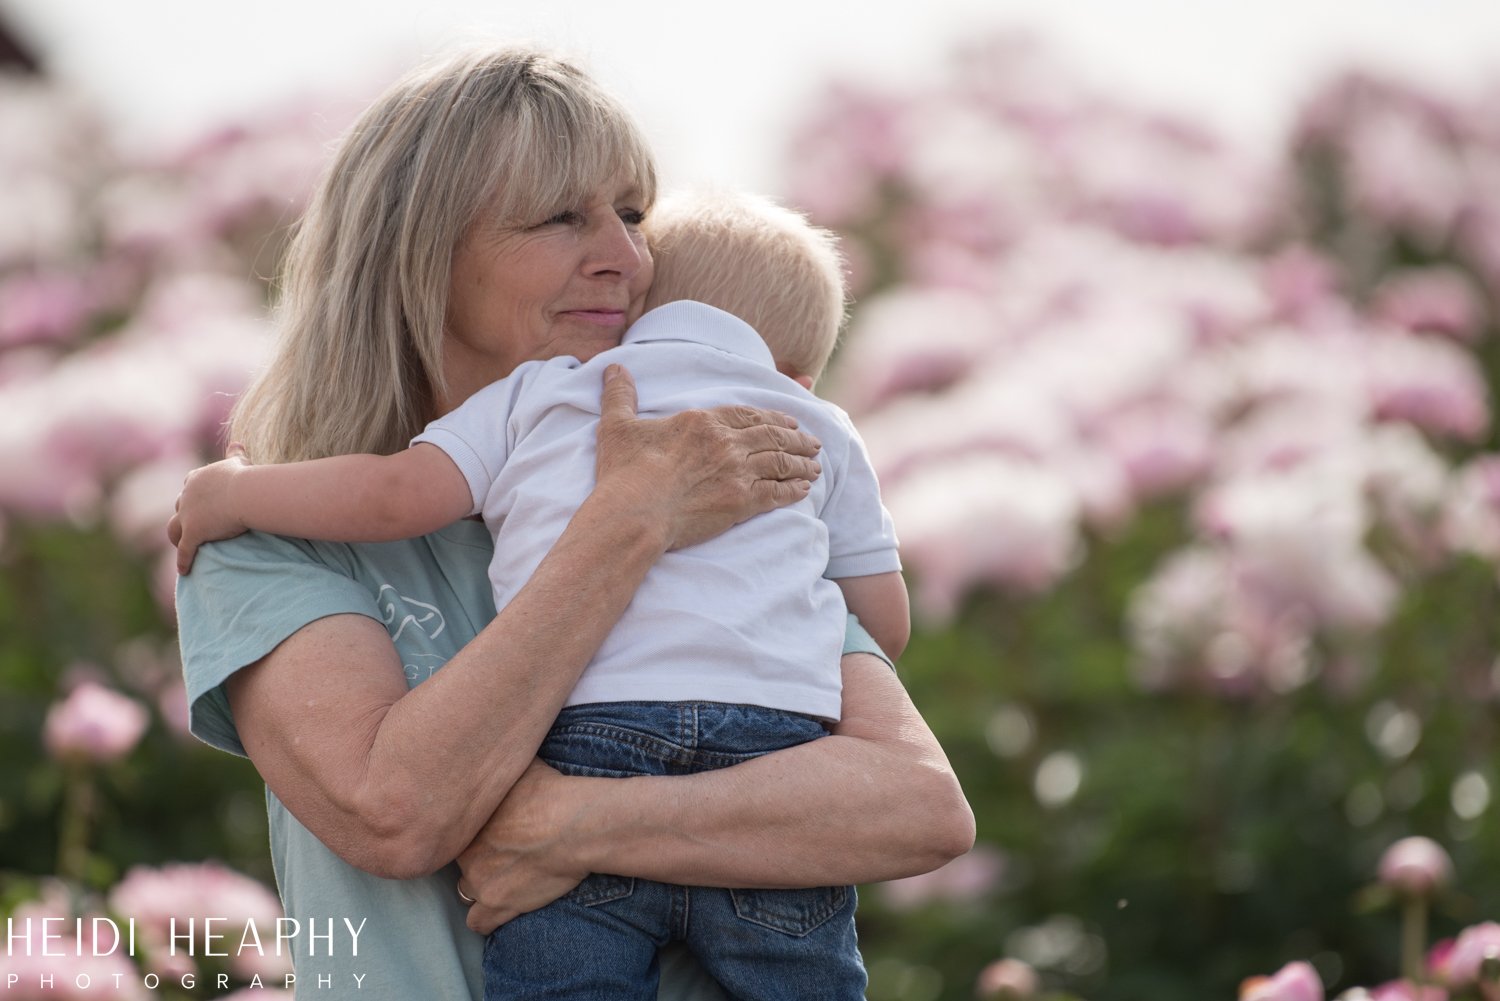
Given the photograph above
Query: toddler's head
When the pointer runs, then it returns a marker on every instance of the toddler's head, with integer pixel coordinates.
(751, 257)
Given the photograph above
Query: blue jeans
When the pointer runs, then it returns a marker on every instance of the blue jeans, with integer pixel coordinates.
(600, 940)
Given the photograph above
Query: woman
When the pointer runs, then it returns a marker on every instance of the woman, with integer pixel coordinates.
(321, 660)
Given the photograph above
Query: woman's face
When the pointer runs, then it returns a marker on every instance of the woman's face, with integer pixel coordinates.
(569, 284)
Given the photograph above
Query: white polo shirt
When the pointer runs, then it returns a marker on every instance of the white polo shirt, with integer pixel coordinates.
(748, 617)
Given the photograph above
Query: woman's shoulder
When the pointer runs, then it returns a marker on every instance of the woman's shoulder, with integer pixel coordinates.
(246, 595)
(278, 583)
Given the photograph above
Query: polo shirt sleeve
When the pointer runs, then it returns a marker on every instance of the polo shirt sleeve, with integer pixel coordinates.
(477, 435)
(861, 535)
(243, 598)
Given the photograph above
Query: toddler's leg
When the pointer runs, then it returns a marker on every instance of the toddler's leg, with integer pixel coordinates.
(599, 941)
(771, 945)
(586, 946)
(779, 945)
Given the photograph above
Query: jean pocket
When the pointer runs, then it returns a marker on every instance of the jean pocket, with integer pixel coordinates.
(600, 888)
(791, 912)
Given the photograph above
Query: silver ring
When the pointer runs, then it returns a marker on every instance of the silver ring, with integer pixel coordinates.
(468, 900)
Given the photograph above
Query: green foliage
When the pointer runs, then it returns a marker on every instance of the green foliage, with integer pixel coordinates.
(1210, 838)
(71, 597)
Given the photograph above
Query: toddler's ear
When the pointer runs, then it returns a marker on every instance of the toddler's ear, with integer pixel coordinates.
(805, 381)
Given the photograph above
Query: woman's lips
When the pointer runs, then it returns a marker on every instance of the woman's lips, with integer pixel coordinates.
(601, 317)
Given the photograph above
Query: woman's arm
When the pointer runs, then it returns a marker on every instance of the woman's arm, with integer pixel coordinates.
(398, 782)
(875, 800)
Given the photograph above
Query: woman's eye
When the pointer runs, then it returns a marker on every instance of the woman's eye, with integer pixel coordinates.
(632, 217)
(567, 217)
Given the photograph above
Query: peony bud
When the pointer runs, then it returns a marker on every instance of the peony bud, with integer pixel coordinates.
(1006, 980)
(94, 723)
(1415, 866)
(1475, 955)
(1293, 982)
(1405, 990)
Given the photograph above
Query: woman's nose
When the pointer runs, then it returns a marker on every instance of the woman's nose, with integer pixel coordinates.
(614, 247)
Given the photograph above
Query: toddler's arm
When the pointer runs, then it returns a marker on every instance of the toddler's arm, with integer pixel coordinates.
(880, 603)
(343, 498)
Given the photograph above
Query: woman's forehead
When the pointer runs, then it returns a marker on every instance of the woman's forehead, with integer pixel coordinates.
(518, 198)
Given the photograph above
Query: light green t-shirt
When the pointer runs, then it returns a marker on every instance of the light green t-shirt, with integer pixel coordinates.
(244, 597)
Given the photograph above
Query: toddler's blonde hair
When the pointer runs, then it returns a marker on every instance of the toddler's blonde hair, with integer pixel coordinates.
(761, 261)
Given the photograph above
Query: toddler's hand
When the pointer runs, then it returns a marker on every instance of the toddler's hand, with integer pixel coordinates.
(204, 509)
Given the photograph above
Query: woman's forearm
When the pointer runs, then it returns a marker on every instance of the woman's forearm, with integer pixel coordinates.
(513, 679)
(875, 800)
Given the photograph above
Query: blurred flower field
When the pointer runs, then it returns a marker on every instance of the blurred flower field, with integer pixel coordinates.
(1192, 453)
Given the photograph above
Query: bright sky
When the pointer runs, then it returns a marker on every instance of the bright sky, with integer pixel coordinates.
(715, 84)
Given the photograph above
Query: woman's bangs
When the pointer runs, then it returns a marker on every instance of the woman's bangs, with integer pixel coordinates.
(559, 161)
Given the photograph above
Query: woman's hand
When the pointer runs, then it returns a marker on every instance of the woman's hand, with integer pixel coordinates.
(702, 471)
(518, 861)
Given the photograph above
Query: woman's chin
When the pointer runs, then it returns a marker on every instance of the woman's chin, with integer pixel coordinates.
(585, 348)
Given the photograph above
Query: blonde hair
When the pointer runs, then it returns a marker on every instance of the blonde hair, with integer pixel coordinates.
(756, 259)
(513, 133)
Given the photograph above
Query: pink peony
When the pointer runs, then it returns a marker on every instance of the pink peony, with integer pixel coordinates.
(143, 500)
(956, 330)
(1006, 980)
(1437, 960)
(153, 897)
(94, 723)
(1204, 619)
(1300, 282)
(1471, 522)
(42, 308)
(1293, 982)
(184, 890)
(75, 973)
(69, 977)
(1432, 383)
(1403, 174)
(1161, 448)
(984, 518)
(1415, 866)
(1474, 947)
(1298, 543)
(1435, 300)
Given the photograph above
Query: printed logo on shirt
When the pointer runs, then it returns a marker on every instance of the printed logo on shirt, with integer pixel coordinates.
(416, 673)
(401, 613)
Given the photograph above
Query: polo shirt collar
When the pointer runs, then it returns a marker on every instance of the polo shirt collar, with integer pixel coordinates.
(700, 323)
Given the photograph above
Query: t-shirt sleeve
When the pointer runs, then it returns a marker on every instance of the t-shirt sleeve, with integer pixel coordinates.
(476, 434)
(856, 640)
(244, 596)
(861, 535)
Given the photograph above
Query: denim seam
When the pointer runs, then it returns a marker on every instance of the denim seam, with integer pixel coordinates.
(663, 749)
(660, 749)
